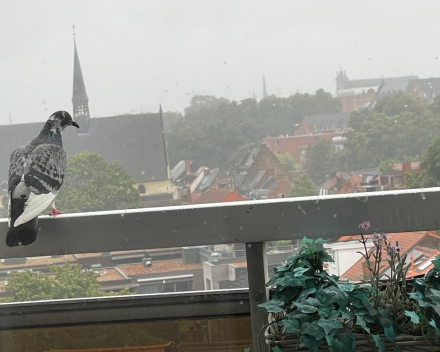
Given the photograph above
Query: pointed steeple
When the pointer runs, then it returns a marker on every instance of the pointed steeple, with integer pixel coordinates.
(80, 100)
(265, 95)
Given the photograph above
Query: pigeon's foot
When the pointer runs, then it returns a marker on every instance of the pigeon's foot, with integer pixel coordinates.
(55, 212)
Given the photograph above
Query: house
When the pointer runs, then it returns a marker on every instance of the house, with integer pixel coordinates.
(427, 88)
(345, 253)
(356, 94)
(367, 180)
(260, 175)
(218, 195)
(421, 248)
(324, 123)
(297, 145)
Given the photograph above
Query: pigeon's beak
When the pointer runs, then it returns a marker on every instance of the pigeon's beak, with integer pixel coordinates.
(75, 124)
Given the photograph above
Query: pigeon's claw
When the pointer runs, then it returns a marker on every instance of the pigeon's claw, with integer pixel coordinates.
(55, 212)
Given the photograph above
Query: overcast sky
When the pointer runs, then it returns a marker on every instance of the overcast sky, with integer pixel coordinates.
(139, 54)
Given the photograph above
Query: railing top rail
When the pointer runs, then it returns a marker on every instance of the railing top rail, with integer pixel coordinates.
(239, 222)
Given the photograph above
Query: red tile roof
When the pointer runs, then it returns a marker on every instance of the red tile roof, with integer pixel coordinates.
(407, 241)
(218, 195)
(157, 267)
(414, 166)
(109, 274)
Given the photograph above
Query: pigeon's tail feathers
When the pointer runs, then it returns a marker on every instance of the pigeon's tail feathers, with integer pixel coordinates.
(34, 206)
(22, 235)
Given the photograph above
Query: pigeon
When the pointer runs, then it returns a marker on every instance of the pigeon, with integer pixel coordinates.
(36, 174)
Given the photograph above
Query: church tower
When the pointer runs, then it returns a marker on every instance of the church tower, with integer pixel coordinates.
(341, 80)
(265, 95)
(80, 100)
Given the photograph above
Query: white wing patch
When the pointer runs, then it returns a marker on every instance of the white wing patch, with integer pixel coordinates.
(34, 206)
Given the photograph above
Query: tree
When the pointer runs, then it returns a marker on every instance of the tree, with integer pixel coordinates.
(413, 180)
(322, 161)
(62, 282)
(288, 162)
(430, 165)
(92, 183)
(303, 186)
(213, 129)
(398, 127)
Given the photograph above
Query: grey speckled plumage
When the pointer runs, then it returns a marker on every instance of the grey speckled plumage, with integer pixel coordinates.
(36, 173)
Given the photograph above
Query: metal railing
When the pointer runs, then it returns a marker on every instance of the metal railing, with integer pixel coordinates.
(252, 223)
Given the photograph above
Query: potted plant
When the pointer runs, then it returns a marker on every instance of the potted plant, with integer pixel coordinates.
(311, 310)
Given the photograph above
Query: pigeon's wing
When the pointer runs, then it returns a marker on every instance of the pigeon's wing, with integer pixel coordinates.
(17, 164)
(44, 175)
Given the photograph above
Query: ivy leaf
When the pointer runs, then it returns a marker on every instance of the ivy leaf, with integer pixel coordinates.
(344, 343)
(323, 312)
(292, 325)
(347, 287)
(297, 272)
(273, 306)
(247, 349)
(310, 342)
(385, 318)
(379, 344)
(413, 315)
(390, 334)
(337, 296)
(361, 322)
(305, 308)
(329, 325)
(277, 349)
(307, 292)
(313, 330)
(313, 302)
(322, 296)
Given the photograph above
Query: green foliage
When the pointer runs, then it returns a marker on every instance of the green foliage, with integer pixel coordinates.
(62, 282)
(170, 118)
(92, 184)
(213, 129)
(323, 160)
(311, 303)
(302, 186)
(431, 164)
(385, 166)
(399, 126)
(288, 162)
(413, 180)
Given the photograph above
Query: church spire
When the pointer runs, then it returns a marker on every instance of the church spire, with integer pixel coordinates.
(80, 100)
(265, 95)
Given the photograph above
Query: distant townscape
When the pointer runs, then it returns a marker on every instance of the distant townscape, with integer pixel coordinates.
(373, 134)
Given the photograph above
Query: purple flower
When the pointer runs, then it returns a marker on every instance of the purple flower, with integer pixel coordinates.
(379, 238)
(364, 225)
(393, 250)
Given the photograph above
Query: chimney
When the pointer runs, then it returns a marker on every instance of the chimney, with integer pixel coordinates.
(186, 196)
(406, 166)
(188, 166)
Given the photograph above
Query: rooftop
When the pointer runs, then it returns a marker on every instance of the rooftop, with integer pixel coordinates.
(157, 267)
(140, 148)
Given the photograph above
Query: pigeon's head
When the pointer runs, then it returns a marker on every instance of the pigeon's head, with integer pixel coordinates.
(62, 119)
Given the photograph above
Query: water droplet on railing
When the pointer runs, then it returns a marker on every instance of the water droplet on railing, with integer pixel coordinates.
(335, 215)
(249, 245)
(122, 214)
(241, 228)
(302, 210)
(282, 214)
(423, 196)
(317, 201)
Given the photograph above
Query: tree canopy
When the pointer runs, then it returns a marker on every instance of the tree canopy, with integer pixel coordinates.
(399, 127)
(302, 186)
(61, 283)
(92, 183)
(323, 160)
(213, 129)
